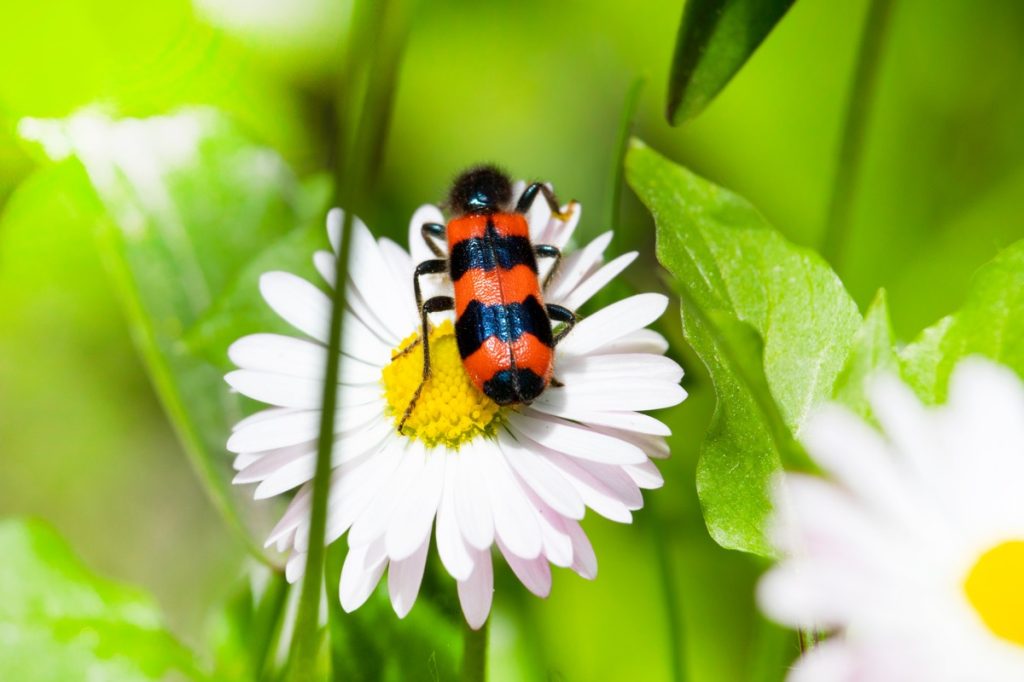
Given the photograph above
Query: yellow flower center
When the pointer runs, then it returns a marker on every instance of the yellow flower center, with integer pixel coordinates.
(450, 410)
(995, 588)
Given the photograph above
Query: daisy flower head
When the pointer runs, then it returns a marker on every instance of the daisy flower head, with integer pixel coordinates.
(517, 477)
(913, 554)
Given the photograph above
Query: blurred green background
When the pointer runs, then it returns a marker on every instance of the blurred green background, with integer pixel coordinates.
(538, 87)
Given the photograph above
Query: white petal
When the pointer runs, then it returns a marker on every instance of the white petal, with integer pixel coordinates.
(374, 520)
(476, 593)
(289, 427)
(515, 520)
(645, 475)
(584, 560)
(256, 417)
(613, 322)
(645, 341)
(402, 270)
(856, 455)
(413, 519)
(295, 566)
(542, 478)
(326, 264)
(558, 406)
(363, 567)
(575, 441)
(450, 546)
(366, 307)
(576, 266)
(535, 573)
(428, 213)
(298, 302)
(298, 392)
(353, 491)
(335, 221)
(297, 357)
(557, 543)
(372, 277)
(472, 504)
(595, 494)
(622, 366)
(405, 577)
(597, 281)
(607, 394)
(272, 461)
(350, 451)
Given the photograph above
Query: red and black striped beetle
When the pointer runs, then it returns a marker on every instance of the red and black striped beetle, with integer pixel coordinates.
(502, 325)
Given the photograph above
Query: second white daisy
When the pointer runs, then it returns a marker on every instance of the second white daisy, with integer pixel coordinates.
(915, 553)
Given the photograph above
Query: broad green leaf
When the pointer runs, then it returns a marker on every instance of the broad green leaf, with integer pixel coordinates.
(188, 201)
(60, 622)
(715, 39)
(743, 284)
(991, 323)
(872, 352)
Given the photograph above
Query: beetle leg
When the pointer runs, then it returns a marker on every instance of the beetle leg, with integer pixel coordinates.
(431, 305)
(548, 251)
(559, 313)
(530, 195)
(430, 232)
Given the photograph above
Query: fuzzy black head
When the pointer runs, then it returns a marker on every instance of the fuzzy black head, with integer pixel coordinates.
(484, 189)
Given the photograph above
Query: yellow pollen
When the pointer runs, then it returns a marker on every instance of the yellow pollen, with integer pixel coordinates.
(995, 589)
(450, 410)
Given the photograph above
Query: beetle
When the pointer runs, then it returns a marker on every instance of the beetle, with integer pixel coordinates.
(502, 325)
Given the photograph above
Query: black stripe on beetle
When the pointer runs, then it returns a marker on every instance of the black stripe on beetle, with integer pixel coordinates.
(508, 322)
(491, 251)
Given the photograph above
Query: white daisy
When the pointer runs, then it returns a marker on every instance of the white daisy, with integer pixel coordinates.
(914, 555)
(519, 478)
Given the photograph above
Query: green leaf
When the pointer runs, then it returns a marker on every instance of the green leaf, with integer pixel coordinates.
(60, 622)
(742, 284)
(991, 323)
(715, 39)
(872, 352)
(187, 201)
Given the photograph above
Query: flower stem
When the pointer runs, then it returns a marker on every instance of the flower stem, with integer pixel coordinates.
(851, 149)
(474, 654)
(355, 172)
(673, 607)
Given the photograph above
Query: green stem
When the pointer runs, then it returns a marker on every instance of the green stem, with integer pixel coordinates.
(474, 654)
(621, 144)
(354, 178)
(306, 642)
(851, 151)
(670, 597)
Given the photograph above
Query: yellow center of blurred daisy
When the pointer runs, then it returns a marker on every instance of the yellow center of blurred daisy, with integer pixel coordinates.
(995, 588)
(450, 409)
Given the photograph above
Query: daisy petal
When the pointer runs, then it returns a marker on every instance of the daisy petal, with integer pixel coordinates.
(472, 504)
(613, 322)
(597, 281)
(405, 577)
(534, 574)
(515, 521)
(574, 441)
(450, 545)
(413, 519)
(298, 302)
(360, 574)
(476, 593)
(542, 478)
(428, 213)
